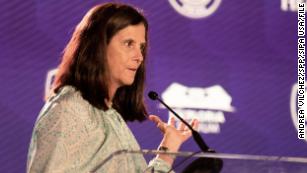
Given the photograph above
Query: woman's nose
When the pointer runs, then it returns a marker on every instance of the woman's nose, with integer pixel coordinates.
(138, 55)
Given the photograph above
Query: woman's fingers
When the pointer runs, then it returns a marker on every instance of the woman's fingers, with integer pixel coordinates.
(170, 126)
(160, 124)
(154, 118)
(181, 126)
(171, 121)
(195, 124)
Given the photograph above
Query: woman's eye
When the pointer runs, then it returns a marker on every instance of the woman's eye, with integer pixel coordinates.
(129, 43)
(142, 47)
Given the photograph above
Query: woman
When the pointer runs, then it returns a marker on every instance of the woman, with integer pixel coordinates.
(98, 87)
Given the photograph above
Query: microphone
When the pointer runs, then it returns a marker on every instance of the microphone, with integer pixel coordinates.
(196, 136)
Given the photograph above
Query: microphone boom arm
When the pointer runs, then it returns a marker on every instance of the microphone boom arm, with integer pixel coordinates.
(196, 136)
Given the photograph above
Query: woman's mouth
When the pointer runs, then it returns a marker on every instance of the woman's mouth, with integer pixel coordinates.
(132, 69)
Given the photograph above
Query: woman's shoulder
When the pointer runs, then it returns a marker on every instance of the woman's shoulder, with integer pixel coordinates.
(67, 94)
(68, 107)
(70, 98)
(68, 101)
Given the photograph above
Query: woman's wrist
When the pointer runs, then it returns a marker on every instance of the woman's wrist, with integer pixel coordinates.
(168, 146)
(172, 144)
(166, 157)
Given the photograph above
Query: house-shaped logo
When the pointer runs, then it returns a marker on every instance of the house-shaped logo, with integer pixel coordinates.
(206, 104)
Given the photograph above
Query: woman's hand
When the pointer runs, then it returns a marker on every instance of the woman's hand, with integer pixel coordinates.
(173, 136)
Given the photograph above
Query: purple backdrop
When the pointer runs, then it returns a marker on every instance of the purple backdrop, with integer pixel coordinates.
(247, 48)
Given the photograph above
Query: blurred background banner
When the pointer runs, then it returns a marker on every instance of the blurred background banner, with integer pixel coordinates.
(231, 64)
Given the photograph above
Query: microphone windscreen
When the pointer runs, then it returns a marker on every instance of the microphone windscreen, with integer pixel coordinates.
(153, 95)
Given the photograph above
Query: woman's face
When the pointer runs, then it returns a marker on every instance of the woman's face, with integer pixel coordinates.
(124, 55)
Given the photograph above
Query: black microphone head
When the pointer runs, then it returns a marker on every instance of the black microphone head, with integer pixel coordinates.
(153, 95)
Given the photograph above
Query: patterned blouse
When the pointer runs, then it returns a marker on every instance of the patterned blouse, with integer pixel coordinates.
(72, 136)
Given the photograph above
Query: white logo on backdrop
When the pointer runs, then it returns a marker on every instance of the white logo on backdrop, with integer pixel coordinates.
(195, 8)
(290, 5)
(293, 107)
(48, 83)
(206, 104)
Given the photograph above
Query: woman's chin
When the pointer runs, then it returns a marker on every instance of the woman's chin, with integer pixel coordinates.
(128, 82)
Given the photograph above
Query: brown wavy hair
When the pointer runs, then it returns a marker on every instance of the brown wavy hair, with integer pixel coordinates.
(84, 60)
